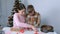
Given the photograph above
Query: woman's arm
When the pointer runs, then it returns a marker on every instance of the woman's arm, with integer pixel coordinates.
(18, 23)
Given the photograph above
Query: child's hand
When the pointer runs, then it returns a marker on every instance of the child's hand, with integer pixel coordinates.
(35, 29)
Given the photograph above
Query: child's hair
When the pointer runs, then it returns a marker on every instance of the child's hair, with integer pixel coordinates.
(18, 6)
(30, 8)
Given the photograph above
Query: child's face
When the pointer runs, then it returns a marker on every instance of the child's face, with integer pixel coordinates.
(22, 12)
(32, 13)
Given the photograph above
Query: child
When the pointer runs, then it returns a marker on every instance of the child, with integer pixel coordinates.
(19, 17)
(33, 17)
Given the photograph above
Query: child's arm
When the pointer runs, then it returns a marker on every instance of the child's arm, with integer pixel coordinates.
(28, 19)
(38, 20)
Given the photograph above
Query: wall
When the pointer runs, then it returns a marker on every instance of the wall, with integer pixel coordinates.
(50, 12)
(0, 10)
(3, 12)
(6, 7)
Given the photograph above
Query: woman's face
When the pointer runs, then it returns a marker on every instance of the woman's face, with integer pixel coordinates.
(22, 12)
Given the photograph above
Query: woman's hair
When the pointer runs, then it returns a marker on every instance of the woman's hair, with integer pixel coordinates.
(30, 8)
(18, 6)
